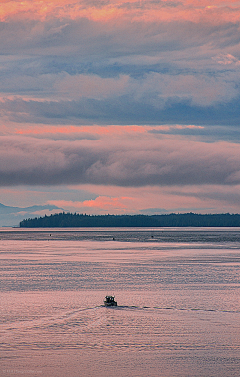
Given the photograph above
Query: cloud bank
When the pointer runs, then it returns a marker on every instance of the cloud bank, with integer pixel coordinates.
(34, 162)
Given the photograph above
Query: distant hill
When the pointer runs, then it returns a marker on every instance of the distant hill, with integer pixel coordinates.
(10, 216)
(167, 220)
(8, 209)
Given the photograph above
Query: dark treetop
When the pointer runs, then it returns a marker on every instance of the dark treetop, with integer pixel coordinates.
(171, 220)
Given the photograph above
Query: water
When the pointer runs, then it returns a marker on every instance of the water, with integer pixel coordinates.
(178, 310)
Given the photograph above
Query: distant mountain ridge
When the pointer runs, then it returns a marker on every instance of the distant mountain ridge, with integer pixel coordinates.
(165, 220)
(11, 215)
(9, 209)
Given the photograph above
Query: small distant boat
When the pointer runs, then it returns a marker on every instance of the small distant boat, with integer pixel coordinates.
(109, 301)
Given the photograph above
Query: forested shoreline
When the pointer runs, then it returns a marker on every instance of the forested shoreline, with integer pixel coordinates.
(64, 220)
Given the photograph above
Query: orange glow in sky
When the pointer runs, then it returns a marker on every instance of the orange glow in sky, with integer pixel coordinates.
(193, 10)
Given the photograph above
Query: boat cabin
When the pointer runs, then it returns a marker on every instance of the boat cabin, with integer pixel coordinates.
(109, 301)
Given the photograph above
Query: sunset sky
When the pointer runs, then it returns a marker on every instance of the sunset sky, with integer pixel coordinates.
(121, 106)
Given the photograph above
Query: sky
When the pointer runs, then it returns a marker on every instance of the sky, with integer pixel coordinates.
(120, 106)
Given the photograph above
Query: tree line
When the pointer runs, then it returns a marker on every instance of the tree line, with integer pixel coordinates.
(167, 220)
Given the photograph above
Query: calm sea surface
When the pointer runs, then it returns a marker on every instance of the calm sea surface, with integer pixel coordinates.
(178, 294)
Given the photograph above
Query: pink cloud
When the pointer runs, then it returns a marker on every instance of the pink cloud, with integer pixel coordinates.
(227, 59)
(103, 131)
(106, 11)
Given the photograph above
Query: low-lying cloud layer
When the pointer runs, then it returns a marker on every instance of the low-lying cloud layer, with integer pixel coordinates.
(159, 162)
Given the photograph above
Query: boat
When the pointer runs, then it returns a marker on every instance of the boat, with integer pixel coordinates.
(109, 301)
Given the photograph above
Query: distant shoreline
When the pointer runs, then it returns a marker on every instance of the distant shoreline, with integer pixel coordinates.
(69, 220)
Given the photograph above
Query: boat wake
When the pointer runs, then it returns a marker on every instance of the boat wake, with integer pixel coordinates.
(133, 307)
